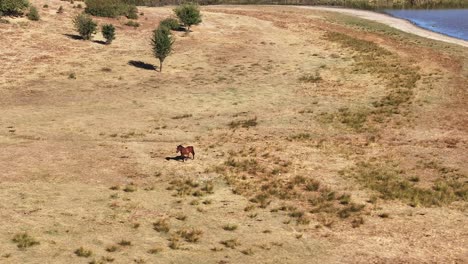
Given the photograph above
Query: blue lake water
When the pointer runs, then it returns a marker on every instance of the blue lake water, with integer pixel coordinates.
(451, 22)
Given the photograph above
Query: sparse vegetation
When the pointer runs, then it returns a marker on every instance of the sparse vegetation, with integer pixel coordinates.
(162, 225)
(243, 123)
(82, 252)
(311, 78)
(231, 243)
(190, 234)
(389, 182)
(230, 227)
(125, 243)
(24, 240)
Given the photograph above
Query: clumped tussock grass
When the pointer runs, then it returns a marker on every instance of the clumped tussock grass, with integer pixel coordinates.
(231, 243)
(24, 240)
(230, 227)
(174, 241)
(311, 78)
(154, 250)
(390, 183)
(82, 252)
(130, 188)
(301, 137)
(182, 116)
(243, 123)
(190, 234)
(162, 225)
(125, 243)
(190, 187)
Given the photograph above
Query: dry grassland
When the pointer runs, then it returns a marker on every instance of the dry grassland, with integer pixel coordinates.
(319, 138)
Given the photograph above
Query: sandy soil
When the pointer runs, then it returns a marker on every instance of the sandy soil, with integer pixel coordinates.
(397, 23)
(281, 105)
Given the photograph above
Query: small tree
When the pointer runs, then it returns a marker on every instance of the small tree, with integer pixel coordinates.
(188, 14)
(85, 26)
(108, 31)
(162, 44)
(33, 14)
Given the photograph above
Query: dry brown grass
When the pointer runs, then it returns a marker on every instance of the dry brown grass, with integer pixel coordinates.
(83, 158)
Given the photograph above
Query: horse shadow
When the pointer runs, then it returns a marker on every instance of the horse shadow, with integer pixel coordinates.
(177, 158)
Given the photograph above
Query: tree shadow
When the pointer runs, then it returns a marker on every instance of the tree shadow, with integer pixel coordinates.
(100, 42)
(75, 37)
(177, 158)
(142, 65)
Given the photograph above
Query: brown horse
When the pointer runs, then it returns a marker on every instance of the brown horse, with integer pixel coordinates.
(185, 152)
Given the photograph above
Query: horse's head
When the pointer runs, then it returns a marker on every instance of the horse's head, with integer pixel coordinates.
(179, 148)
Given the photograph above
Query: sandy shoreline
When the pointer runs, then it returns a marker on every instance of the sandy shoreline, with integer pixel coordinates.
(397, 23)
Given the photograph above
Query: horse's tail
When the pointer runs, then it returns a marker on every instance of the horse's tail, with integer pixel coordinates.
(193, 153)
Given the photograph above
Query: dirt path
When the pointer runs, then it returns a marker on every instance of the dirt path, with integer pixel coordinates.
(397, 23)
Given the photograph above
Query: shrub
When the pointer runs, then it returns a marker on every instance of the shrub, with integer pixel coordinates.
(132, 12)
(188, 14)
(108, 31)
(170, 23)
(110, 8)
(132, 23)
(85, 26)
(13, 7)
(45, 6)
(60, 10)
(162, 44)
(33, 14)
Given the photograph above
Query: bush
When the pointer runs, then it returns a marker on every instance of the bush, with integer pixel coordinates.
(33, 14)
(132, 12)
(60, 10)
(13, 7)
(162, 44)
(85, 26)
(189, 14)
(108, 31)
(170, 23)
(132, 24)
(110, 8)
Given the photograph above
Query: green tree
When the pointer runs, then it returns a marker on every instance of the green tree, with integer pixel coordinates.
(85, 26)
(188, 14)
(13, 7)
(108, 31)
(33, 14)
(162, 44)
